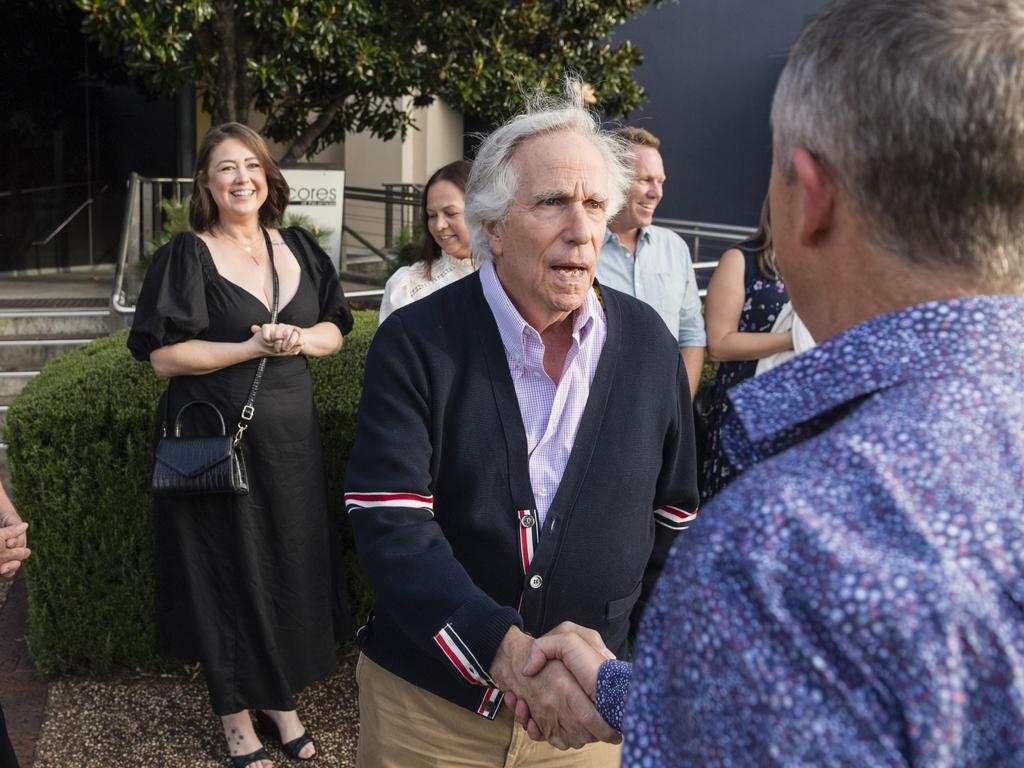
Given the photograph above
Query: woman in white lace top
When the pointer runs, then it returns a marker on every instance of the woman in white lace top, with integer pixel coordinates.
(446, 256)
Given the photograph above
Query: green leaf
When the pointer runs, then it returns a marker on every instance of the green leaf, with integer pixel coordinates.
(308, 56)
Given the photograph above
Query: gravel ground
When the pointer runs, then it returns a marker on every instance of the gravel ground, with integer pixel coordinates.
(166, 721)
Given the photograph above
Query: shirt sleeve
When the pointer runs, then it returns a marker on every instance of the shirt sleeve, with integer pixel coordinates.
(333, 305)
(172, 303)
(394, 289)
(676, 496)
(613, 680)
(691, 320)
(417, 580)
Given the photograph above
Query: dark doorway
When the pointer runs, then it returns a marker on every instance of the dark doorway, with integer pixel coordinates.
(72, 128)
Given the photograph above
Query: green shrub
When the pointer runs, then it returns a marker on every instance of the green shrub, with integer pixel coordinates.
(175, 221)
(321, 234)
(80, 454)
(408, 249)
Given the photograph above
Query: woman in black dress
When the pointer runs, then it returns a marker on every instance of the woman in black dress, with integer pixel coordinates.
(250, 586)
(744, 299)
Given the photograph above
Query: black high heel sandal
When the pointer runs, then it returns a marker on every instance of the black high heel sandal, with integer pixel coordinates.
(241, 761)
(292, 748)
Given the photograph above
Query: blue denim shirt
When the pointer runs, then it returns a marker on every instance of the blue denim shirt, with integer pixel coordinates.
(661, 274)
(856, 596)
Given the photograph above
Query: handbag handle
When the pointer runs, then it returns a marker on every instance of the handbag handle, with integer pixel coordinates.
(177, 419)
(248, 410)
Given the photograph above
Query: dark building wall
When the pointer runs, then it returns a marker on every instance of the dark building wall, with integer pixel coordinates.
(710, 68)
(71, 124)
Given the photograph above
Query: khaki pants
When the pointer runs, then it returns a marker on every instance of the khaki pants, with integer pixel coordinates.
(403, 726)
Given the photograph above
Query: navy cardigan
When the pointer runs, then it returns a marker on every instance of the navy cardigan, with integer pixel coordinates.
(438, 491)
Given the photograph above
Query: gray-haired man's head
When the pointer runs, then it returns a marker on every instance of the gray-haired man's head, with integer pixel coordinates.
(494, 179)
(917, 108)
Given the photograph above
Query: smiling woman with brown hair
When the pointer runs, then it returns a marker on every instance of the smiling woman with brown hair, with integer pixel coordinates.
(446, 256)
(248, 585)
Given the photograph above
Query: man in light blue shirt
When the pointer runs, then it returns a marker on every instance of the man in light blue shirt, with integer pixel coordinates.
(653, 263)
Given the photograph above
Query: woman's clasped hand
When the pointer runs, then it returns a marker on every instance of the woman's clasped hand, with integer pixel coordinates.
(277, 339)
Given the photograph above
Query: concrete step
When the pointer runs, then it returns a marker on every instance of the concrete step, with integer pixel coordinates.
(32, 354)
(3, 418)
(57, 324)
(12, 382)
(5, 472)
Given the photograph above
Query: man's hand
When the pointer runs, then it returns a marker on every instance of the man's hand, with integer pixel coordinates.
(13, 539)
(579, 649)
(562, 712)
(13, 547)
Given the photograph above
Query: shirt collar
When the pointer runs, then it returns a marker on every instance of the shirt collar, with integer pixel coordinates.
(511, 324)
(971, 336)
(645, 235)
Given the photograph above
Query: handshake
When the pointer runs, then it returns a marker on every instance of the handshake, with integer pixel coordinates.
(550, 684)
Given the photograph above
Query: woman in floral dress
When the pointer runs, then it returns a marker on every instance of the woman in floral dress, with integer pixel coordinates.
(744, 298)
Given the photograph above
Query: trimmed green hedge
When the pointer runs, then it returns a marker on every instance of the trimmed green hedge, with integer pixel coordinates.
(80, 454)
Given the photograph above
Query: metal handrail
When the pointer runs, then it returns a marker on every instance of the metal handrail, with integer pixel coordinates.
(373, 195)
(63, 224)
(49, 188)
(701, 230)
(37, 244)
(117, 296)
(392, 194)
(363, 241)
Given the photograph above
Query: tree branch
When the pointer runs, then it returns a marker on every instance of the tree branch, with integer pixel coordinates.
(301, 144)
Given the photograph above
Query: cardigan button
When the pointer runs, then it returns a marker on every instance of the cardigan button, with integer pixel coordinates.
(527, 521)
(536, 581)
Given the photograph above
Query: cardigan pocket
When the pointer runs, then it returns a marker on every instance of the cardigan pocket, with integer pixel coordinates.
(623, 605)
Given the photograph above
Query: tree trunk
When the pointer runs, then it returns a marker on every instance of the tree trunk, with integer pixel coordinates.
(233, 42)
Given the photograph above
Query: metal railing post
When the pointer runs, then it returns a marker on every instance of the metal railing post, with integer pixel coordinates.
(389, 236)
(128, 226)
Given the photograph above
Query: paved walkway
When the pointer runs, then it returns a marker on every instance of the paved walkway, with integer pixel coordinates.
(22, 692)
(131, 719)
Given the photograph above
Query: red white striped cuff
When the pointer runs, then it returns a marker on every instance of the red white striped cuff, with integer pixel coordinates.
(674, 518)
(490, 704)
(458, 653)
(375, 499)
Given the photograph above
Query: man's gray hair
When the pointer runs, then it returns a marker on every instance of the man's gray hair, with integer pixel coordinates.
(493, 182)
(917, 106)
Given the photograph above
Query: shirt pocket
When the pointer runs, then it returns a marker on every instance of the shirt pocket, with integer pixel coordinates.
(621, 606)
(666, 292)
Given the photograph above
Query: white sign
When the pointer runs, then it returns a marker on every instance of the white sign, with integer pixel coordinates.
(318, 195)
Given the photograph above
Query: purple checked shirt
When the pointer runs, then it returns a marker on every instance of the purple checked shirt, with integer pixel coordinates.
(551, 412)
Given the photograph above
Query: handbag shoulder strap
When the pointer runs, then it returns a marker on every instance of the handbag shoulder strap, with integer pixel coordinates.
(249, 409)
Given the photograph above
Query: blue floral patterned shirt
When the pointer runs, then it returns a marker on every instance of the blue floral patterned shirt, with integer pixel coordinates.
(856, 596)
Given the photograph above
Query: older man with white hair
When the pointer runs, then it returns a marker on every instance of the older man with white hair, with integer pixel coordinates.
(510, 470)
(856, 596)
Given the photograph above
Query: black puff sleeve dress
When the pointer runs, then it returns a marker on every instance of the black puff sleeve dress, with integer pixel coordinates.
(251, 586)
